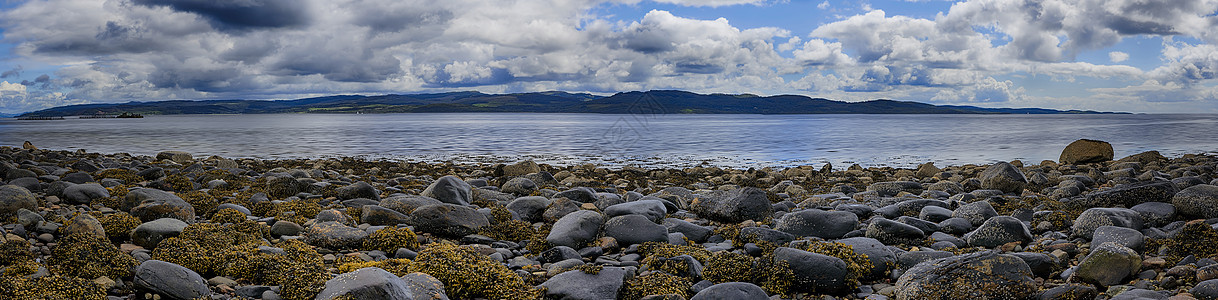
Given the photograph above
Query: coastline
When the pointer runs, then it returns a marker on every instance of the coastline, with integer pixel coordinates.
(87, 225)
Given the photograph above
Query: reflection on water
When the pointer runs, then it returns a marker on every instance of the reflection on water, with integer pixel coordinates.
(727, 140)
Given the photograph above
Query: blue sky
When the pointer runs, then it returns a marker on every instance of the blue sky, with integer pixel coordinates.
(1109, 55)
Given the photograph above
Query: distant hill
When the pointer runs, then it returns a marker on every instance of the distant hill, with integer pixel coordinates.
(654, 102)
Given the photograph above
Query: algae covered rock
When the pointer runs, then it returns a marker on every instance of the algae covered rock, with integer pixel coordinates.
(1132, 194)
(1091, 219)
(1199, 201)
(980, 275)
(88, 256)
(84, 224)
(814, 272)
(998, 231)
(732, 206)
(1086, 151)
(1108, 264)
(334, 235)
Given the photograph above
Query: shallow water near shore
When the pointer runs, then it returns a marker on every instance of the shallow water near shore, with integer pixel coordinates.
(616, 140)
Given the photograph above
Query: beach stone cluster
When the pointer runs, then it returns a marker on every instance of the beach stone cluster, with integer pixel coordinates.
(79, 225)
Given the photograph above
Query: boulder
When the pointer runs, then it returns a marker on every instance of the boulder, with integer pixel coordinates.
(732, 206)
(634, 229)
(892, 232)
(1108, 264)
(1092, 218)
(524, 167)
(358, 190)
(180, 157)
(334, 235)
(892, 188)
(423, 286)
(651, 209)
(150, 234)
(818, 223)
(151, 204)
(376, 215)
(85, 224)
(579, 194)
(450, 189)
(576, 229)
(1198, 201)
(577, 285)
(998, 231)
(448, 220)
(1086, 151)
(814, 272)
(694, 232)
(529, 208)
(170, 280)
(976, 212)
(731, 291)
(882, 259)
(1004, 177)
(979, 275)
(1155, 214)
(1125, 237)
(1205, 290)
(759, 234)
(366, 283)
(407, 203)
(1132, 194)
(84, 193)
(519, 186)
(13, 198)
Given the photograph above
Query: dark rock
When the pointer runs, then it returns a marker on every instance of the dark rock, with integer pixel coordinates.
(634, 229)
(557, 254)
(651, 209)
(976, 212)
(150, 234)
(1108, 264)
(980, 275)
(814, 272)
(576, 229)
(935, 214)
(998, 231)
(558, 208)
(84, 193)
(406, 204)
(892, 188)
(423, 286)
(893, 233)
(1126, 237)
(1131, 194)
(29, 183)
(366, 283)
(861, 210)
(694, 232)
(577, 285)
(332, 215)
(376, 215)
(1042, 265)
(818, 223)
(77, 177)
(907, 208)
(732, 206)
(1092, 218)
(358, 190)
(519, 186)
(1199, 201)
(529, 208)
(1205, 290)
(757, 234)
(731, 291)
(236, 207)
(579, 194)
(912, 258)
(682, 265)
(170, 280)
(956, 226)
(1003, 177)
(360, 202)
(13, 198)
(882, 259)
(334, 235)
(448, 220)
(151, 204)
(152, 173)
(1086, 151)
(1140, 294)
(1156, 214)
(1069, 291)
(282, 228)
(926, 226)
(175, 156)
(450, 189)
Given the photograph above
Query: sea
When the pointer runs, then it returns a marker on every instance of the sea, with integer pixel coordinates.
(648, 140)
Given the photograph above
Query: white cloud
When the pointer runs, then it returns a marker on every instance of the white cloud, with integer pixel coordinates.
(823, 5)
(1118, 56)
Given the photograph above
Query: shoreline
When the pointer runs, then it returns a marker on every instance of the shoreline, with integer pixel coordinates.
(87, 225)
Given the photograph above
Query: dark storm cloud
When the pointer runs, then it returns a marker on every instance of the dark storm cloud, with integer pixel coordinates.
(396, 19)
(242, 14)
(343, 67)
(11, 73)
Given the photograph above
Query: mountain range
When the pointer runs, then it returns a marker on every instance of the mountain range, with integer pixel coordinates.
(649, 102)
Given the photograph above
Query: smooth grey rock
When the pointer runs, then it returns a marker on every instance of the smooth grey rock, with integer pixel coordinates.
(1205, 290)
(448, 220)
(150, 234)
(406, 204)
(757, 234)
(1126, 237)
(818, 223)
(1199, 201)
(893, 232)
(170, 280)
(282, 228)
(1108, 264)
(813, 271)
(423, 286)
(694, 232)
(731, 291)
(998, 231)
(519, 186)
(366, 283)
(334, 235)
(376, 215)
(1086, 151)
(1004, 177)
(732, 206)
(450, 189)
(1132, 194)
(976, 212)
(634, 229)
(579, 194)
(651, 209)
(529, 208)
(577, 285)
(1155, 214)
(84, 193)
(358, 190)
(1092, 218)
(882, 259)
(576, 229)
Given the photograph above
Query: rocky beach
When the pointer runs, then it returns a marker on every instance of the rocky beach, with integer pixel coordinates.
(79, 225)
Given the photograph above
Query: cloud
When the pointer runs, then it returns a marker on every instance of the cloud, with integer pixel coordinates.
(241, 14)
(1187, 64)
(823, 5)
(14, 72)
(1118, 56)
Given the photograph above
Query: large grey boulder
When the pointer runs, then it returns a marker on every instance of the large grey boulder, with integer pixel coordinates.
(979, 275)
(1131, 194)
(1004, 177)
(1087, 222)
(731, 291)
(450, 189)
(818, 223)
(84, 193)
(1108, 264)
(732, 206)
(1199, 201)
(406, 204)
(577, 285)
(651, 209)
(998, 231)
(366, 283)
(634, 229)
(170, 280)
(448, 220)
(150, 234)
(334, 235)
(575, 229)
(814, 272)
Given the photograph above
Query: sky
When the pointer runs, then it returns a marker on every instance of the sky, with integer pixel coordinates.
(1152, 56)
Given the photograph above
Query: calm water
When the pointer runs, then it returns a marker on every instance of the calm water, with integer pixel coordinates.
(726, 140)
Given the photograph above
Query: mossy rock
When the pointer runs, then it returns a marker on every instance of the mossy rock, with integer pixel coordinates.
(390, 239)
(87, 256)
(657, 283)
(51, 287)
(469, 274)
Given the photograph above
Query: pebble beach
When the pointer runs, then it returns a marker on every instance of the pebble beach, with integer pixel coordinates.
(80, 225)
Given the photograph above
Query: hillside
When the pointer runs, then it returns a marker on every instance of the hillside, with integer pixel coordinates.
(662, 102)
